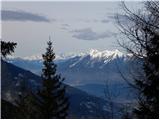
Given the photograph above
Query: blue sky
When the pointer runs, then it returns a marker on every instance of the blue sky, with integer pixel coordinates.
(73, 26)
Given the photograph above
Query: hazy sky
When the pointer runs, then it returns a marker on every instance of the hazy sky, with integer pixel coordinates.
(73, 26)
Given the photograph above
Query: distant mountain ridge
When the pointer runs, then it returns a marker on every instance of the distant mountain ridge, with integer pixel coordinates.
(94, 56)
(94, 53)
(98, 62)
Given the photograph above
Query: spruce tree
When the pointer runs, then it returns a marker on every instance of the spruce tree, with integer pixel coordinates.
(54, 103)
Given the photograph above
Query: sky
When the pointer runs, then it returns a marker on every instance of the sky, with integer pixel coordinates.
(72, 26)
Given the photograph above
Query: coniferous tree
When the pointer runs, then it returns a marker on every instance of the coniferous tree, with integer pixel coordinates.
(7, 48)
(143, 36)
(54, 103)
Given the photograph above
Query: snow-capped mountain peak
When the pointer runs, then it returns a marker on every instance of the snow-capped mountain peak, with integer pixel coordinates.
(105, 54)
(33, 57)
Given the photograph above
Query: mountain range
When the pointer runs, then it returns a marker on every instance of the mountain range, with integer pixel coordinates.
(90, 71)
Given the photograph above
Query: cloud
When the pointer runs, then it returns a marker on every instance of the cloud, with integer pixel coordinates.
(9, 15)
(95, 20)
(89, 20)
(113, 18)
(122, 18)
(89, 34)
(65, 26)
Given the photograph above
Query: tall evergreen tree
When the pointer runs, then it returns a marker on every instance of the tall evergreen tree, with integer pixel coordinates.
(143, 36)
(54, 103)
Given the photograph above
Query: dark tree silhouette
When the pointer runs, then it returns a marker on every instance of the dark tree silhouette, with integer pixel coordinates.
(142, 32)
(54, 103)
(7, 48)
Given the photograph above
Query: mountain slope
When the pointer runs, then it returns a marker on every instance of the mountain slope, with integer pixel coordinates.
(82, 105)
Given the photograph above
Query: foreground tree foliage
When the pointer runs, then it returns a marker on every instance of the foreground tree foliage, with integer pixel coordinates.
(54, 103)
(143, 35)
(7, 48)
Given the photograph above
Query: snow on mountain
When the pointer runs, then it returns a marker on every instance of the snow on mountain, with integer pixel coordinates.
(93, 63)
(94, 56)
(33, 57)
(93, 53)
(105, 54)
(89, 59)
